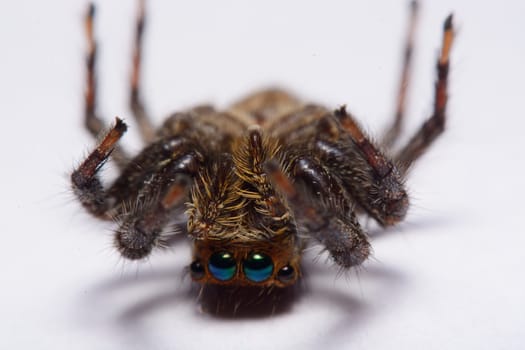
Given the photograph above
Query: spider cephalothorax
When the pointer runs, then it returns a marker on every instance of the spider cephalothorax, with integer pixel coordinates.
(257, 182)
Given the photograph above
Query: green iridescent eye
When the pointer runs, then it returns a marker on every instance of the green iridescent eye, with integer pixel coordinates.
(258, 267)
(222, 266)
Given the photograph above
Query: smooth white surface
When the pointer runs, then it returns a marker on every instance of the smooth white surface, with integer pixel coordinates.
(450, 277)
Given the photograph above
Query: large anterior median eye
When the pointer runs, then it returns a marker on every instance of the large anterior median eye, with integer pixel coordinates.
(258, 267)
(222, 265)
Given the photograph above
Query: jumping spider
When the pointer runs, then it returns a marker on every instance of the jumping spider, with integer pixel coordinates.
(258, 181)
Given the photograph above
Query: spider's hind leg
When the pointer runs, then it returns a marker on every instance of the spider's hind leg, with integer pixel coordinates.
(435, 125)
(146, 127)
(93, 123)
(392, 134)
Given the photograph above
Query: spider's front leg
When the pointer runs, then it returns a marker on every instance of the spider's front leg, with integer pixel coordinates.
(321, 209)
(86, 184)
(145, 195)
(371, 179)
(152, 193)
(141, 224)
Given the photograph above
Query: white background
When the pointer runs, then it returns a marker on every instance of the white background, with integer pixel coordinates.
(450, 277)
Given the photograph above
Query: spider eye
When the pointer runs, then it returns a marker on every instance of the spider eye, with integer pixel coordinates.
(258, 267)
(286, 274)
(222, 265)
(197, 270)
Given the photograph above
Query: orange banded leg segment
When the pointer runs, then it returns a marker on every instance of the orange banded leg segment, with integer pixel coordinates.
(396, 128)
(86, 184)
(137, 107)
(435, 125)
(92, 121)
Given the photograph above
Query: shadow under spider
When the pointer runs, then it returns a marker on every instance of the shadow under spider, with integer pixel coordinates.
(317, 290)
(236, 303)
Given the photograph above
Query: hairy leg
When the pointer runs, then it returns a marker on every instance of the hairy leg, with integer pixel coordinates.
(92, 121)
(146, 127)
(340, 234)
(86, 184)
(150, 191)
(396, 128)
(435, 125)
(146, 194)
(371, 179)
(141, 223)
(377, 183)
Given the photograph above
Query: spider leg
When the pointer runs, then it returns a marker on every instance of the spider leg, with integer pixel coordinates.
(138, 180)
(340, 234)
(151, 192)
(147, 194)
(371, 178)
(141, 179)
(86, 184)
(146, 127)
(142, 224)
(92, 121)
(435, 125)
(395, 129)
